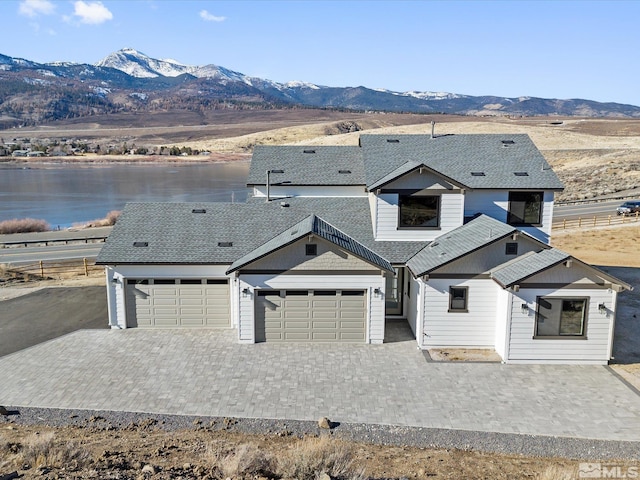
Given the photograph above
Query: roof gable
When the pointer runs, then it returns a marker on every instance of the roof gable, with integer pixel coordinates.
(312, 225)
(485, 161)
(478, 233)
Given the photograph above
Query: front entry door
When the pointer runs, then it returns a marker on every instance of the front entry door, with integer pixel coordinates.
(394, 293)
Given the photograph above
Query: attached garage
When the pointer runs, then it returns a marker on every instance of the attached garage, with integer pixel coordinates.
(178, 303)
(311, 315)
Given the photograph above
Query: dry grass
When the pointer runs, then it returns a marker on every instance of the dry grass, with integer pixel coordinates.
(43, 450)
(557, 472)
(607, 246)
(244, 461)
(312, 457)
(307, 459)
(23, 225)
(109, 220)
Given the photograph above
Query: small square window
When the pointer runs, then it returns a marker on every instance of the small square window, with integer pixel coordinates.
(311, 249)
(511, 248)
(458, 297)
(419, 211)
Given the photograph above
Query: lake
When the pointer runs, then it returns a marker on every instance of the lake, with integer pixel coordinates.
(67, 194)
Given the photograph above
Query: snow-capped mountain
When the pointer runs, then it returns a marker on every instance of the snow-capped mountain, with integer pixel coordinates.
(137, 64)
(39, 92)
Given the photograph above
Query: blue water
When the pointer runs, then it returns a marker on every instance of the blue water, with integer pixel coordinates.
(67, 194)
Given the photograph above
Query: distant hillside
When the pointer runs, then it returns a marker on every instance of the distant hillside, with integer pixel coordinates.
(130, 81)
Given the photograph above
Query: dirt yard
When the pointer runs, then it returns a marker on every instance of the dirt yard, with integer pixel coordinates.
(144, 450)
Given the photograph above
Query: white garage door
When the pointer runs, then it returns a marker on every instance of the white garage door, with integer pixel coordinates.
(311, 315)
(178, 303)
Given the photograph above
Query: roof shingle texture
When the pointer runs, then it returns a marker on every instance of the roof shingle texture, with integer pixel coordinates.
(527, 266)
(480, 231)
(321, 165)
(497, 156)
(176, 235)
(316, 226)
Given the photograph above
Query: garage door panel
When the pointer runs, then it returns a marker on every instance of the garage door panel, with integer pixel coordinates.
(192, 303)
(296, 314)
(323, 316)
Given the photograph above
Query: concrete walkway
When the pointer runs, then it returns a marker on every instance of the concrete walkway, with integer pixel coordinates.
(208, 373)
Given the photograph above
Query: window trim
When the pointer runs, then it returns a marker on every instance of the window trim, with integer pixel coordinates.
(401, 196)
(466, 299)
(585, 319)
(538, 223)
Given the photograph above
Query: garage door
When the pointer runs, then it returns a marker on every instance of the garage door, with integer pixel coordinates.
(311, 316)
(178, 303)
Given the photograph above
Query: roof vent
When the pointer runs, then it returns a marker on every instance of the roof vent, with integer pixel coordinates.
(506, 143)
(434, 244)
(344, 171)
(225, 244)
(308, 151)
(284, 204)
(521, 174)
(477, 174)
(140, 244)
(199, 210)
(393, 140)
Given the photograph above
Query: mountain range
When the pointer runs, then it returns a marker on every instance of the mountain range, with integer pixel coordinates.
(34, 93)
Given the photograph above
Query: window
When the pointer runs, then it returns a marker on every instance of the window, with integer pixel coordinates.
(525, 208)
(511, 248)
(419, 211)
(561, 317)
(311, 249)
(458, 297)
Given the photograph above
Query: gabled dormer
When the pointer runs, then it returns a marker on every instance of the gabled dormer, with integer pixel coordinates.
(422, 186)
(414, 202)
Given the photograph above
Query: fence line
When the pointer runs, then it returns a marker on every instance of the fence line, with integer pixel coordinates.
(595, 221)
(45, 269)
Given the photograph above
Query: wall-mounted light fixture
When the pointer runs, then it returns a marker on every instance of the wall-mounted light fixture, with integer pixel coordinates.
(377, 293)
(602, 308)
(524, 308)
(115, 280)
(245, 292)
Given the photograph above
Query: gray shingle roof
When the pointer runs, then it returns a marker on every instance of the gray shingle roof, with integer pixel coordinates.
(499, 157)
(321, 165)
(175, 235)
(317, 226)
(527, 265)
(479, 232)
(530, 264)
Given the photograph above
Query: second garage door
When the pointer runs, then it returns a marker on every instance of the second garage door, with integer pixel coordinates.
(311, 315)
(178, 303)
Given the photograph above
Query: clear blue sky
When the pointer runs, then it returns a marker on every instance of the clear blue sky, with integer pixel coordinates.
(551, 49)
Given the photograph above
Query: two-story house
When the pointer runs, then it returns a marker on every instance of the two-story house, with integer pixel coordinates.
(448, 232)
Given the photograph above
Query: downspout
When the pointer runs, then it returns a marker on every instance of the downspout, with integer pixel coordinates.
(507, 340)
(612, 323)
(420, 320)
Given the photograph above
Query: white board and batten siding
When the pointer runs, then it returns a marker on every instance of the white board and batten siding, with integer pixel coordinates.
(279, 191)
(474, 328)
(595, 348)
(291, 281)
(117, 277)
(387, 216)
(495, 204)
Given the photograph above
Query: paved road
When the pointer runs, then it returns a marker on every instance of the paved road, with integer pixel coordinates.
(54, 252)
(588, 210)
(50, 313)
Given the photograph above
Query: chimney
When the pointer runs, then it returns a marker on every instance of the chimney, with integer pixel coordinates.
(433, 127)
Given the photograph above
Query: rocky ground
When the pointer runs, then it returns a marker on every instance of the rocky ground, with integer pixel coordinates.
(141, 447)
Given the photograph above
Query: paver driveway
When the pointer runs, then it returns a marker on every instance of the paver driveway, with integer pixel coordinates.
(209, 373)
